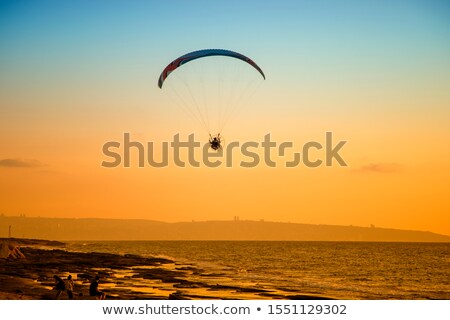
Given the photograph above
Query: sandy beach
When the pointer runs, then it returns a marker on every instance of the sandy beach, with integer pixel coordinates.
(121, 276)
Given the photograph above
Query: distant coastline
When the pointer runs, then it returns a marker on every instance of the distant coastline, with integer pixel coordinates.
(134, 229)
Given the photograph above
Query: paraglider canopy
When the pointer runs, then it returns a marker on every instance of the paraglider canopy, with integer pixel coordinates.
(201, 54)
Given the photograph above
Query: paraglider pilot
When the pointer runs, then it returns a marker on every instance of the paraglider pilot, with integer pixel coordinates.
(215, 142)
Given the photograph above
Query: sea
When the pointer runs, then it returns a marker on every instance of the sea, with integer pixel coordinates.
(342, 270)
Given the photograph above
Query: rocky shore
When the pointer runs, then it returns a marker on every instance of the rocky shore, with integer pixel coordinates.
(121, 277)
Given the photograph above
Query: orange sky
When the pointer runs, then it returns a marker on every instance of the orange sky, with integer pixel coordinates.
(397, 175)
(387, 95)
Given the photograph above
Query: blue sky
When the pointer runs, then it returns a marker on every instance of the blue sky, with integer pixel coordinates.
(368, 47)
(53, 33)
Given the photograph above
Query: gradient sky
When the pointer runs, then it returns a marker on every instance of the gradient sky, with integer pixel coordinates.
(75, 74)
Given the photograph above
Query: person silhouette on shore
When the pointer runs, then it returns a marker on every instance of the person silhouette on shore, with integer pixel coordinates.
(69, 287)
(59, 286)
(93, 290)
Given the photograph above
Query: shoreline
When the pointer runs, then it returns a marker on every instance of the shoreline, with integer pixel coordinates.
(126, 277)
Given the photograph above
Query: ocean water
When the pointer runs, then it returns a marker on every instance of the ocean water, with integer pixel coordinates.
(343, 270)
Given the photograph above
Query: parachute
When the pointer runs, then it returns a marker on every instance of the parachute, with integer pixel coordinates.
(201, 54)
(210, 85)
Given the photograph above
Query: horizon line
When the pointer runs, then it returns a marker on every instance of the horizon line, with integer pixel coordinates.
(372, 226)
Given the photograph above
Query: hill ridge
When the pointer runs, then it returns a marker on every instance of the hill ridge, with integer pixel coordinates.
(142, 229)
